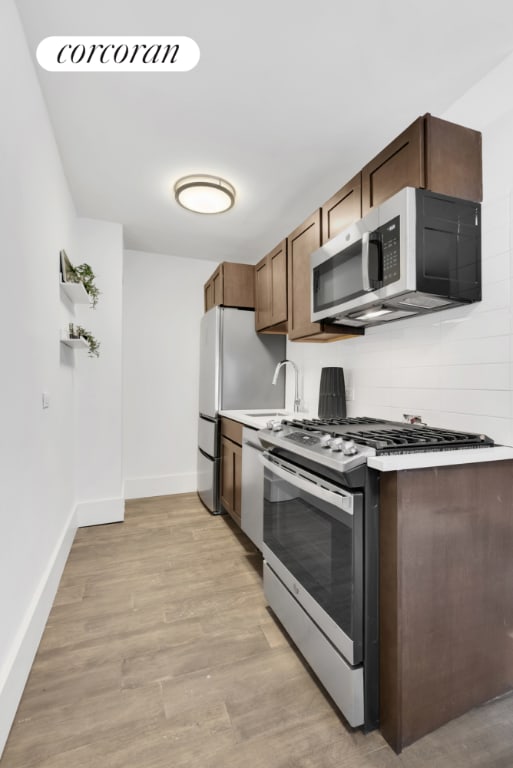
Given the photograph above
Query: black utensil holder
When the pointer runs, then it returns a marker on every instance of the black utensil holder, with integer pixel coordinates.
(332, 394)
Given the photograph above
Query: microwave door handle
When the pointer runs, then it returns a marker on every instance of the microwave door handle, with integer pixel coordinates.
(335, 499)
(365, 261)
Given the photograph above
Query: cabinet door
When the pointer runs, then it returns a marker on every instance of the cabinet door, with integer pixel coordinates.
(238, 285)
(453, 159)
(300, 244)
(277, 260)
(237, 483)
(209, 295)
(400, 164)
(343, 209)
(217, 281)
(262, 295)
(231, 478)
(227, 474)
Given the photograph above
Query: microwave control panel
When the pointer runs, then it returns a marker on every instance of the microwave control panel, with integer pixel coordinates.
(388, 235)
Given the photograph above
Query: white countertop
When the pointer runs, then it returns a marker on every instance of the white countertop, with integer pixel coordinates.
(439, 458)
(258, 417)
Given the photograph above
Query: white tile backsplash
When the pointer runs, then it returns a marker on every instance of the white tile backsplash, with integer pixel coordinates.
(493, 376)
(495, 268)
(490, 322)
(496, 241)
(496, 295)
(495, 213)
(489, 349)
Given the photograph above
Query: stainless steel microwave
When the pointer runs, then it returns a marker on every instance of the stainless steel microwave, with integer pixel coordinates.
(417, 252)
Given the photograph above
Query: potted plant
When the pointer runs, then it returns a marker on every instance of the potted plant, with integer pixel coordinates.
(81, 274)
(93, 344)
(85, 275)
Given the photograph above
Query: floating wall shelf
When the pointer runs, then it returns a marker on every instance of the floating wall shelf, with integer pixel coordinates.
(76, 293)
(74, 343)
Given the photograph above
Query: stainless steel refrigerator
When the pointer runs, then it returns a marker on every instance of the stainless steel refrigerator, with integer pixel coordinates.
(236, 372)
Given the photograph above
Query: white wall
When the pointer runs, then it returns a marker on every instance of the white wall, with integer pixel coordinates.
(36, 446)
(98, 386)
(163, 305)
(454, 368)
(48, 457)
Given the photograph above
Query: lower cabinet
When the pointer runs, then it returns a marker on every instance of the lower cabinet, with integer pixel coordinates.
(446, 614)
(231, 468)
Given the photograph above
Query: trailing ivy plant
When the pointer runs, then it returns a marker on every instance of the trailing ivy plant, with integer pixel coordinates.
(85, 275)
(94, 345)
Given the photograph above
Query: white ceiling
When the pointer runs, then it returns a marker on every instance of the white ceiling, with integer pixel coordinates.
(289, 99)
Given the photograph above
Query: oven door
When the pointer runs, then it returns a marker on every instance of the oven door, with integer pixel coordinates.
(313, 542)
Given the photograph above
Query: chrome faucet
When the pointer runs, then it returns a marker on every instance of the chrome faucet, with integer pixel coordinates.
(297, 401)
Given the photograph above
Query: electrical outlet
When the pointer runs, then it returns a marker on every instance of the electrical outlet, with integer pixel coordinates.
(349, 394)
(45, 398)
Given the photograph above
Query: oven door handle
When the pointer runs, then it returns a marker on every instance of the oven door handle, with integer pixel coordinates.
(339, 500)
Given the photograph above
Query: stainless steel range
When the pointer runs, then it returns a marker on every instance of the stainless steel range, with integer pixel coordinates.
(321, 543)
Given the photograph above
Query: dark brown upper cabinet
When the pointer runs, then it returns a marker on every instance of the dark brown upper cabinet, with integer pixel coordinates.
(303, 241)
(432, 154)
(231, 285)
(343, 209)
(271, 291)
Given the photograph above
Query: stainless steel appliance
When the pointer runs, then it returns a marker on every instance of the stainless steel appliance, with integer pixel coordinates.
(415, 253)
(321, 543)
(236, 372)
(252, 498)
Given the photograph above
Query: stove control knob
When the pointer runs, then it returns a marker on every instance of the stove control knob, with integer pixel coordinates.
(335, 443)
(325, 439)
(349, 448)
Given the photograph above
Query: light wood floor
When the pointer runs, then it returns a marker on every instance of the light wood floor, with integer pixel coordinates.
(160, 653)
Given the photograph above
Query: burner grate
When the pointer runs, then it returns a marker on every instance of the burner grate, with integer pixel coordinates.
(411, 439)
(309, 424)
(389, 437)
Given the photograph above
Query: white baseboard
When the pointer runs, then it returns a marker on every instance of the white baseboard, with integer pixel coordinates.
(161, 485)
(16, 667)
(100, 512)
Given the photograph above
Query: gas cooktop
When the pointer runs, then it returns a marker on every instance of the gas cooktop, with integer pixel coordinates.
(390, 437)
(346, 443)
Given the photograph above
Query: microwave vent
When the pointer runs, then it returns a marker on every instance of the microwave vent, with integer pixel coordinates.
(422, 301)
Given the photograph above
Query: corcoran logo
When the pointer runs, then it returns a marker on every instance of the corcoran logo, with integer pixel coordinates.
(118, 54)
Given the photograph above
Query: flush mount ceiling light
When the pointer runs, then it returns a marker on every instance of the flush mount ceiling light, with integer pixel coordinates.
(204, 194)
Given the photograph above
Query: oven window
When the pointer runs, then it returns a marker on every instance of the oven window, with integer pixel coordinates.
(316, 542)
